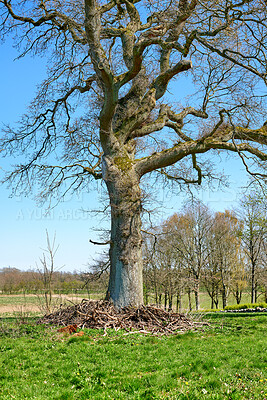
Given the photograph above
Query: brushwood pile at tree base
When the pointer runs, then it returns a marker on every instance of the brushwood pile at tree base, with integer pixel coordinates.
(103, 315)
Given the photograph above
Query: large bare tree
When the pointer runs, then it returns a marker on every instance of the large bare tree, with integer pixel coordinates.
(105, 111)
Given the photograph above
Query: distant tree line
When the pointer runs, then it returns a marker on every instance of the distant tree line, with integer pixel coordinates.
(221, 253)
(14, 281)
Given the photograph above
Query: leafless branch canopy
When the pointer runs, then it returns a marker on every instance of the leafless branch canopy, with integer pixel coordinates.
(111, 65)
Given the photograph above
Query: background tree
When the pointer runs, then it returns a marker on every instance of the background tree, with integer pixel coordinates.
(47, 271)
(263, 273)
(172, 266)
(239, 278)
(190, 230)
(152, 273)
(253, 215)
(104, 111)
(163, 269)
(9, 280)
(211, 276)
(226, 250)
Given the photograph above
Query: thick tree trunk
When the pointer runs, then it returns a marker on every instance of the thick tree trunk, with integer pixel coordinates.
(126, 271)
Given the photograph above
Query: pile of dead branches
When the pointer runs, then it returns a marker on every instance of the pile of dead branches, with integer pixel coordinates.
(103, 315)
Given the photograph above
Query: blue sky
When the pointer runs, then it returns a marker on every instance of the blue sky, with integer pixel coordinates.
(24, 224)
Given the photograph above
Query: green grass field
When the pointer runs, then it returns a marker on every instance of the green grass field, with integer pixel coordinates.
(226, 361)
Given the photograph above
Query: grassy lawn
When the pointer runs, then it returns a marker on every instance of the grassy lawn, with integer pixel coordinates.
(227, 361)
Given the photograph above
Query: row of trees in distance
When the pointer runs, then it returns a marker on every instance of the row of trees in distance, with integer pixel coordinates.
(222, 253)
(15, 281)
